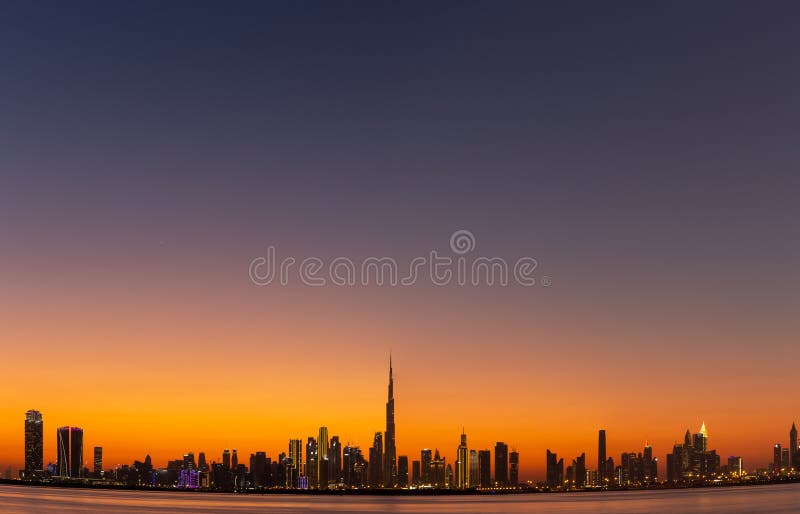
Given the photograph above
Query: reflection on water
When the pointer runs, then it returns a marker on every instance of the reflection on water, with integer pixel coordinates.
(774, 499)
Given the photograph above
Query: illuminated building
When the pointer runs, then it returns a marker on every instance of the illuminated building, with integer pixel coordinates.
(34, 442)
(474, 469)
(98, 461)
(462, 463)
(426, 459)
(294, 462)
(69, 447)
(323, 459)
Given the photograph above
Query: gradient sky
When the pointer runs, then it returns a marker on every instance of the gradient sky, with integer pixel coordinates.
(646, 154)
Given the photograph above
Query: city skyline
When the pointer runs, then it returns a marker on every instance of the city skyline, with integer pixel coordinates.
(643, 154)
(504, 468)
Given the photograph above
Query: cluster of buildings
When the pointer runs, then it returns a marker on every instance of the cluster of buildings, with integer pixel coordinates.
(321, 462)
(634, 469)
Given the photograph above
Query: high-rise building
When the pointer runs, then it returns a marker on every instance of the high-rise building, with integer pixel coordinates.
(501, 463)
(776, 458)
(334, 461)
(474, 469)
(601, 456)
(390, 454)
(555, 471)
(294, 462)
(485, 463)
(376, 461)
(258, 469)
(426, 459)
(416, 472)
(794, 461)
(402, 471)
(34, 442)
(226, 459)
(513, 468)
(438, 471)
(322, 457)
(312, 463)
(98, 461)
(462, 463)
(579, 471)
(69, 447)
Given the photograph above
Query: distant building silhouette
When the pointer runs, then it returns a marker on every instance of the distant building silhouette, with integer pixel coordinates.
(501, 463)
(485, 463)
(98, 462)
(376, 462)
(555, 471)
(426, 459)
(402, 471)
(389, 463)
(474, 469)
(513, 468)
(601, 456)
(462, 463)
(69, 448)
(34, 443)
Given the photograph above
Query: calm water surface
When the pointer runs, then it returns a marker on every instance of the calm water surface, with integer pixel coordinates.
(775, 499)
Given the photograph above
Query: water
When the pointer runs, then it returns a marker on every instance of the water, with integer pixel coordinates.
(773, 499)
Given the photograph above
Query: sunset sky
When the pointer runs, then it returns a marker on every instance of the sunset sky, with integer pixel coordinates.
(646, 155)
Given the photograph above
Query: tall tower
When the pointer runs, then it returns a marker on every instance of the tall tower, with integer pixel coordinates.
(390, 451)
(69, 446)
(462, 463)
(322, 457)
(34, 434)
(793, 448)
(601, 456)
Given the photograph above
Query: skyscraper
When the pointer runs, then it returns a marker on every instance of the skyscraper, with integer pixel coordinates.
(376, 460)
(69, 448)
(485, 463)
(295, 462)
(390, 454)
(776, 458)
(793, 459)
(322, 457)
(462, 463)
(555, 470)
(402, 471)
(601, 456)
(501, 463)
(34, 441)
(426, 457)
(474, 469)
(334, 461)
(312, 464)
(98, 461)
(513, 468)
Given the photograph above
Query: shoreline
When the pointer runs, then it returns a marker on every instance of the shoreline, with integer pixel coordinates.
(389, 492)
